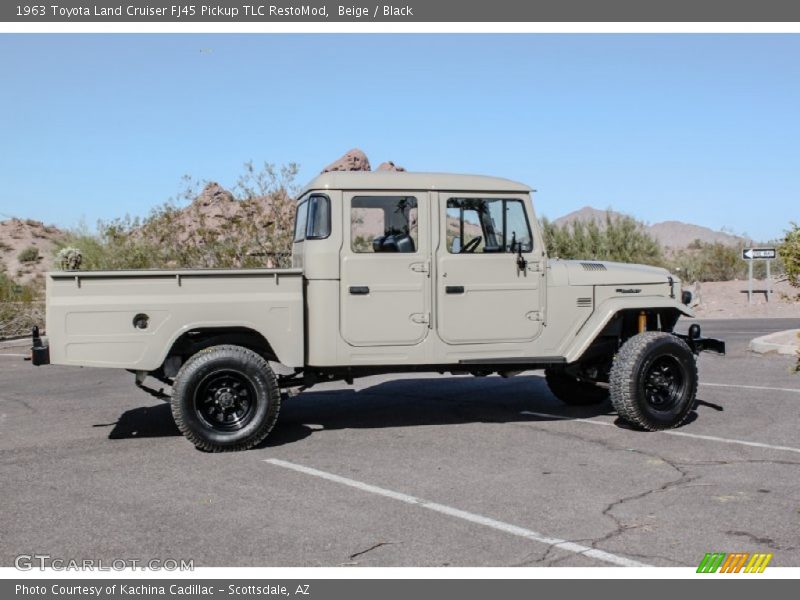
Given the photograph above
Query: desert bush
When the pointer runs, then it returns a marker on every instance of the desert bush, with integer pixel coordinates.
(789, 251)
(703, 261)
(621, 239)
(11, 291)
(21, 307)
(69, 259)
(180, 234)
(28, 255)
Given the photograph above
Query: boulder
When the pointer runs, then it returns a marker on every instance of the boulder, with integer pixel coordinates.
(353, 160)
(389, 166)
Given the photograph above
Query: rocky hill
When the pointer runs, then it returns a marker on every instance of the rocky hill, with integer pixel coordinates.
(26, 248)
(671, 234)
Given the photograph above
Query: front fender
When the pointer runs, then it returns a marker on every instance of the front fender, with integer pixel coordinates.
(605, 311)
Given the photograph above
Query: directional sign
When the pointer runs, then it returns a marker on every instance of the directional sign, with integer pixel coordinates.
(759, 253)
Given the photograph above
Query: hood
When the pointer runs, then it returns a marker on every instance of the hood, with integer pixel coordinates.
(597, 272)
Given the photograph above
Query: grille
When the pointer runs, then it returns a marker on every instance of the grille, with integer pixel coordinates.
(584, 302)
(588, 266)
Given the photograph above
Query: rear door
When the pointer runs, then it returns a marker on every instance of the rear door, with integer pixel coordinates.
(385, 290)
(483, 296)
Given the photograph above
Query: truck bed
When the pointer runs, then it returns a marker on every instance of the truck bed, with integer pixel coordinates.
(92, 316)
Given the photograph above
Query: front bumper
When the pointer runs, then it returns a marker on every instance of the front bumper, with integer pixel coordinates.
(698, 343)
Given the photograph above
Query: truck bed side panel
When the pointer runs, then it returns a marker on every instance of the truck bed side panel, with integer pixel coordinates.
(91, 315)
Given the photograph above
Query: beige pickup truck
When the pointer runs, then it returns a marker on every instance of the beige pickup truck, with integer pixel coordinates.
(392, 272)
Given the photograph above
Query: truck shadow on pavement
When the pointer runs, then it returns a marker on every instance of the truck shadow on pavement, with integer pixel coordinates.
(396, 404)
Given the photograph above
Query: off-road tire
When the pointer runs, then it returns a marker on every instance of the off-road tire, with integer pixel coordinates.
(573, 391)
(632, 390)
(251, 382)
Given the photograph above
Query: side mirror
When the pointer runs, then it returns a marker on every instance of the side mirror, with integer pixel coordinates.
(455, 247)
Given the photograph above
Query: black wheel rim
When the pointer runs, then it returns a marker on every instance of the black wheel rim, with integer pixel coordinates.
(225, 400)
(664, 383)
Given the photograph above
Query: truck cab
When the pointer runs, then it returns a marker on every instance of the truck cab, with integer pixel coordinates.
(411, 269)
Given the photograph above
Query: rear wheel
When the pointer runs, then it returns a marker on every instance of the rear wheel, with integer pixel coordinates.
(226, 398)
(571, 390)
(654, 381)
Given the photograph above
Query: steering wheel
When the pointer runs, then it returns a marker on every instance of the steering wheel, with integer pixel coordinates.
(470, 246)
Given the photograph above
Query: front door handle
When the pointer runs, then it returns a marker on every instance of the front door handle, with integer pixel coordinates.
(454, 289)
(359, 290)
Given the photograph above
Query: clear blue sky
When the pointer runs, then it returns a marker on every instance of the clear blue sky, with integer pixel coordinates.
(698, 128)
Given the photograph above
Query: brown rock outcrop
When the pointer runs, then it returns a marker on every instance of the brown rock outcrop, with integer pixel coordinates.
(353, 160)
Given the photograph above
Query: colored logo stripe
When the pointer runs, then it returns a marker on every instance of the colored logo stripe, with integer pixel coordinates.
(711, 562)
(733, 563)
(758, 563)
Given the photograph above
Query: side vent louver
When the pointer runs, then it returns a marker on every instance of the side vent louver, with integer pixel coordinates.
(584, 302)
(589, 266)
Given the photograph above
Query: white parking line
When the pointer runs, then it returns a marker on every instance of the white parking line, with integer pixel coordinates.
(466, 516)
(752, 387)
(697, 436)
(22, 355)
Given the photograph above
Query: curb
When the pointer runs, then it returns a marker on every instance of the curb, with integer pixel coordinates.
(780, 342)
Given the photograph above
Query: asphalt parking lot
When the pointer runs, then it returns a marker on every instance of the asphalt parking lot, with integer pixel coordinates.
(407, 471)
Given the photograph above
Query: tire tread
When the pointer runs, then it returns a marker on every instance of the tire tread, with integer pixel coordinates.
(196, 362)
(622, 383)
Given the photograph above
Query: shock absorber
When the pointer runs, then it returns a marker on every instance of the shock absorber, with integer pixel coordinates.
(642, 321)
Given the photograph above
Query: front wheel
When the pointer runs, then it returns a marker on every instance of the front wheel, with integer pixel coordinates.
(225, 398)
(653, 381)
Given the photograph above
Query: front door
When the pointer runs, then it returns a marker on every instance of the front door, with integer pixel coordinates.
(385, 269)
(485, 294)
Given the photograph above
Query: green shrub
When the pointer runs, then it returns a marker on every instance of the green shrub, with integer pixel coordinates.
(28, 255)
(789, 251)
(21, 307)
(620, 239)
(703, 261)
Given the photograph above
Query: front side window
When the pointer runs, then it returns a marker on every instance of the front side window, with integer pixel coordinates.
(484, 225)
(313, 219)
(383, 224)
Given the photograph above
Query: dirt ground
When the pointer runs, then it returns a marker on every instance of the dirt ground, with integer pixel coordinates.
(728, 299)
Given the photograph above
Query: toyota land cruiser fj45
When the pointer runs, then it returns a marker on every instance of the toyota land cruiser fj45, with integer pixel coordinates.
(392, 272)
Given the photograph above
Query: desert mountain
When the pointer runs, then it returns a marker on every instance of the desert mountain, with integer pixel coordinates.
(671, 234)
(17, 237)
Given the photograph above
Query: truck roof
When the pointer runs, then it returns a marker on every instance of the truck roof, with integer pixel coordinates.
(403, 180)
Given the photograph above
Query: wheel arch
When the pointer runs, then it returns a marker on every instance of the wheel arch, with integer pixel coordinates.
(621, 312)
(192, 341)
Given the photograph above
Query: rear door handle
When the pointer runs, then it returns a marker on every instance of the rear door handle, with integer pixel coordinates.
(359, 290)
(454, 289)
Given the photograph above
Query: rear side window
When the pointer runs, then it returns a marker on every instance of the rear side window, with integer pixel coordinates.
(319, 218)
(313, 219)
(301, 221)
(383, 224)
